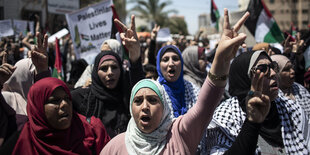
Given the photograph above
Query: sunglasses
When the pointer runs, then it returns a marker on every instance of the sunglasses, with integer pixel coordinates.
(265, 68)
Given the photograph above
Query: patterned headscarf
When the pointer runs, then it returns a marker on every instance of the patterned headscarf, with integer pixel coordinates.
(175, 90)
(191, 65)
(138, 142)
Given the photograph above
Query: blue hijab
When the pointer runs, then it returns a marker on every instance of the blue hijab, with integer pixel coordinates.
(175, 90)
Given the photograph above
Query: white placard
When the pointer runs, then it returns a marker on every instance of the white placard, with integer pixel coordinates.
(58, 35)
(163, 35)
(63, 6)
(89, 27)
(6, 28)
(20, 26)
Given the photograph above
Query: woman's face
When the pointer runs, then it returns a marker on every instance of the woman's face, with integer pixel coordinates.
(202, 63)
(58, 109)
(170, 66)
(147, 110)
(270, 83)
(109, 73)
(287, 76)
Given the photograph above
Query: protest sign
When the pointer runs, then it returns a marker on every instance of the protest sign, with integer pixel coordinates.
(58, 35)
(89, 27)
(6, 28)
(20, 26)
(63, 6)
(163, 35)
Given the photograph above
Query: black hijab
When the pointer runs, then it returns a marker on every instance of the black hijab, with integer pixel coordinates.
(240, 85)
(108, 104)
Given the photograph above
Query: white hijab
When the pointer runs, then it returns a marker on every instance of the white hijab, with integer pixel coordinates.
(15, 89)
(138, 142)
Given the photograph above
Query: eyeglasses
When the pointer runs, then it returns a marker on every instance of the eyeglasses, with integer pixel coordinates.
(265, 68)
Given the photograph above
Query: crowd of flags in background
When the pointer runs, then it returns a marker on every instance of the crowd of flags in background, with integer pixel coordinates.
(261, 24)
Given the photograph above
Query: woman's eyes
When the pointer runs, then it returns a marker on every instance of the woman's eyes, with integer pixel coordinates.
(165, 59)
(137, 100)
(174, 58)
(152, 100)
(105, 68)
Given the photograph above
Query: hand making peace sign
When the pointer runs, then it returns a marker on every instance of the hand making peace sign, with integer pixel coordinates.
(227, 47)
(130, 39)
(39, 55)
(257, 104)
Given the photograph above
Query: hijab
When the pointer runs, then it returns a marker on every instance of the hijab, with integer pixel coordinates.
(15, 89)
(191, 65)
(281, 60)
(104, 103)
(138, 142)
(239, 74)
(38, 137)
(175, 90)
(115, 46)
(240, 84)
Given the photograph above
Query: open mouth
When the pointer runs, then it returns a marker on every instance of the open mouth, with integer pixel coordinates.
(145, 118)
(274, 84)
(110, 81)
(64, 115)
(171, 71)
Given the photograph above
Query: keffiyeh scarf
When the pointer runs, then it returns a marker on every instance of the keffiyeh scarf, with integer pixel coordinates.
(229, 117)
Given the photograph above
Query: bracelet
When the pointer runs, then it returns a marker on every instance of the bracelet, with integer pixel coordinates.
(216, 78)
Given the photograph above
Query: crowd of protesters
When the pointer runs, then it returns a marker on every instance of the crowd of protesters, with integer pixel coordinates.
(141, 96)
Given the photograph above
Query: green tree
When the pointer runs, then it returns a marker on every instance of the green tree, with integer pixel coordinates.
(177, 25)
(153, 10)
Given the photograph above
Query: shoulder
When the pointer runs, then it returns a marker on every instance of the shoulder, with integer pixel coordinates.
(78, 93)
(190, 87)
(115, 146)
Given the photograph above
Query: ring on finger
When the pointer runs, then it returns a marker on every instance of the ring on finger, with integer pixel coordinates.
(254, 93)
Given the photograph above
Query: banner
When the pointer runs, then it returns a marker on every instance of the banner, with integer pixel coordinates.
(58, 35)
(23, 26)
(6, 28)
(89, 27)
(63, 6)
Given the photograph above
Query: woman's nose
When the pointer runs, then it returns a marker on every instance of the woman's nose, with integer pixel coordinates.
(110, 71)
(145, 105)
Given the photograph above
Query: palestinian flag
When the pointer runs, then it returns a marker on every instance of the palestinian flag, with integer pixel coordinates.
(215, 15)
(261, 23)
(293, 30)
(57, 72)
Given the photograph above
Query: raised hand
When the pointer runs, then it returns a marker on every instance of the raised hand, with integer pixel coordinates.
(155, 31)
(230, 39)
(130, 39)
(299, 44)
(258, 104)
(288, 45)
(6, 70)
(39, 53)
(227, 48)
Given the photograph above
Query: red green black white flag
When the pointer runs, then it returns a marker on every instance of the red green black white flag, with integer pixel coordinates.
(215, 15)
(57, 72)
(261, 23)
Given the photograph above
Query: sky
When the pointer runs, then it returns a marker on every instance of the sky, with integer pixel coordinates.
(191, 9)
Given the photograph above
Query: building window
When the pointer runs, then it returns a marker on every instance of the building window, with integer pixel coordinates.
(1, 13)
(272, 12)
(271, 1)
(304, 11)
(305, 23)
